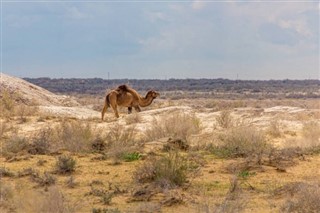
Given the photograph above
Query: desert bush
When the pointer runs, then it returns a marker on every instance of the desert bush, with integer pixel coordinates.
(46, 179)
(241, 142)
(4, 172)
(305, 199)
(131, 156)
(3, 128)
(120, 142)
(71, 183)
(75, 136)
(65, 164)
(54, 201)
(41, 142)
(16, 144)
(274, 129)
(98, 144)
(6, 192)
(311, 132)
(167, 171)
(105, 210)
(176, 125)
(133, 118)
(225, 120)
(7, 103)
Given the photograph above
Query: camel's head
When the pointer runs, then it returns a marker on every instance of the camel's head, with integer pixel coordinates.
(153, 94)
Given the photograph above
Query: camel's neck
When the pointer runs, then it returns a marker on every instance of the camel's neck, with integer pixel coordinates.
(146, 101)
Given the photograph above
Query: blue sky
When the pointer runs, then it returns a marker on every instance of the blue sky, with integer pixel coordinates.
(168, 39)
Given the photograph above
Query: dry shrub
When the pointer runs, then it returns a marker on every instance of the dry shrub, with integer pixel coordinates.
(304, 198)
(310, 140)
(235, 200)
(166, 172)
(6, 192)
(75, 136)
(65, 164)
(274, 129)
(177, 125)
(54, 201)
(311, 132)
(44, 180)
(225, 120)
(121, 141)
(7, 103)
(4, 172)
(241, 142)
(15, 144)
(133, 118)
(12, 104)
(41, 142)
(3, 128)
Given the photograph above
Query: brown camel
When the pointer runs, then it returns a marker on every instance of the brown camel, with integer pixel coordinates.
(125, 96)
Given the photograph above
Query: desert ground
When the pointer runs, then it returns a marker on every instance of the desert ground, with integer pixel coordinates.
(186, 155)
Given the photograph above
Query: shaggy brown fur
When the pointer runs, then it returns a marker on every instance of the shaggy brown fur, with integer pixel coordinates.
(125, 96)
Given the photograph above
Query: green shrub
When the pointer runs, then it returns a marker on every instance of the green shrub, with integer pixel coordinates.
(131, 156)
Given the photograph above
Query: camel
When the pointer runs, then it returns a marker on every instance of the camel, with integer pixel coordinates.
(125, 96)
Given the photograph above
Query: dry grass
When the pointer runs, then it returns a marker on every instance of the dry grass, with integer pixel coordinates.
(177, 125)
(241, 141)
(120, 142)
(75, 136)
(225, 120)
(166, 172)
(274, 129)
(303, 198)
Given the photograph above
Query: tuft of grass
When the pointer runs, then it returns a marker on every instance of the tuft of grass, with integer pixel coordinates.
(16, 144)
(166, 172)
(4, 172)
(120, 142)
(241, 142)
(274, 129)
(41, 143)
(305, 199)
(225, 120)
(176, 125)
(131, 156)
(75, 136)
(65, 165)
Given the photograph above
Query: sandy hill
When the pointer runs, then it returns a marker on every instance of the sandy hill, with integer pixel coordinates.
(31, 94)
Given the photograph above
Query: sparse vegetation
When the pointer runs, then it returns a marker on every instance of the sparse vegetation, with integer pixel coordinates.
(65, 164)
(243, 141)
(225, 119)
(166, 172)
(196, 150)
(177, 125)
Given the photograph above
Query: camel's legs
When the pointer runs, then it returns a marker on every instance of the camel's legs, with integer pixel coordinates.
(137, 108)
(129, 110)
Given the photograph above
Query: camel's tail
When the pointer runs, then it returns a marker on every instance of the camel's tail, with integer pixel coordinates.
(105, 107)
(107, 101)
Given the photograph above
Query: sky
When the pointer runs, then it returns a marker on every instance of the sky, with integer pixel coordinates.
(249, 40)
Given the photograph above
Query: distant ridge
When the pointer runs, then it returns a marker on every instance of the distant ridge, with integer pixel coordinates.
(216, 87)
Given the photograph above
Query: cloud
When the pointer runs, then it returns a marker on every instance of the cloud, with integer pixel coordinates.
(75, 13)
(198, 4)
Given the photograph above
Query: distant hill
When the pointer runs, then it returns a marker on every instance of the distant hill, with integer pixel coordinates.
(216, 87)
(30, 94)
